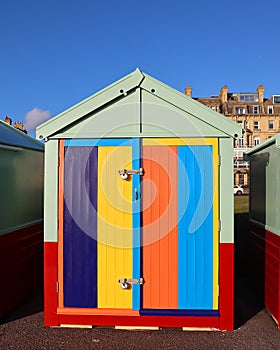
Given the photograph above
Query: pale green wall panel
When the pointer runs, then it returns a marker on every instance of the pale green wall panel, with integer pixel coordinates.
(163, 119)
(121, 119)
(226, 191)
(51, 191)
(21, 188)
(272, 186)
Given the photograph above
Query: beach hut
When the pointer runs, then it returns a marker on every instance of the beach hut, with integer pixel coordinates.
(21, 216)
(264, 223)
(139, 210)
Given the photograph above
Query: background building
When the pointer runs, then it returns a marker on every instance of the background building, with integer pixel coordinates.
(258, 116)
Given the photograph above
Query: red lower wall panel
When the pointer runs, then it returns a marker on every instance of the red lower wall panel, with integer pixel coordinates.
(272, 274)
(226, 299)
(146, 321)
(21, 261)
(50, 280)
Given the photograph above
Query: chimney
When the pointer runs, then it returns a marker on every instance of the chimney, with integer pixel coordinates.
(18, 125)
(224, 94)
(260, 91)
(8, 120)
(188, 91)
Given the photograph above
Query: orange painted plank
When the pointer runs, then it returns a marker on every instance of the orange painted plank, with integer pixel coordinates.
(101, 311)
(160, 263)
(60, 221)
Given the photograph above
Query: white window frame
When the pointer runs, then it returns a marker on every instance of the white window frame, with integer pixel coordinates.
(256, 121)
(274, 97)
(257, 111)
(256, 141)
(271, 122)
(239, 110)
(270, 108)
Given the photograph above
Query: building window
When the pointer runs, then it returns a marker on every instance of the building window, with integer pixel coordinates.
(256, 125)
(246, 124)
(241, 143)
(276, 98)
(270, 109)
(248, 97)
(270, 124)
(256, 109)
(256, 141)
(241, 179)
(240, 110)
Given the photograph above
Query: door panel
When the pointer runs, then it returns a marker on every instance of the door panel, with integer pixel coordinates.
(114, 227)
(160, 243)
(195, 232)
(163, 228)
(180, 216)
(80, 227)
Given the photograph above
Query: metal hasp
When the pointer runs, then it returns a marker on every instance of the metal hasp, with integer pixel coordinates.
(131, 172)
(127, 282)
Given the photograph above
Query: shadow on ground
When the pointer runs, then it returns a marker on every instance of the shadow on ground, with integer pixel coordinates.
(247, 304)
(31, 306)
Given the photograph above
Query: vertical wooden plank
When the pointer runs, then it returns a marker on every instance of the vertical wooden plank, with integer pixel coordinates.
(196, 228)
(136, 208)
(160, 227)
(60, 223)
(114, 227)
(186, 248)
(80, 226)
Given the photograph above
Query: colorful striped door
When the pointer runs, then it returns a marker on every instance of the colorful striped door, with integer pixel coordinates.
(163, 228)
(100, 240)
(180, 225)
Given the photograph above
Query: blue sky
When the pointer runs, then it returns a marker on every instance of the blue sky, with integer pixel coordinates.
(56, 53)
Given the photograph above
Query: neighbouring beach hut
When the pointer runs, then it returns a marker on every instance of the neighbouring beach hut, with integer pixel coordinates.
(21, 216)
(264, 223)
(139, 210)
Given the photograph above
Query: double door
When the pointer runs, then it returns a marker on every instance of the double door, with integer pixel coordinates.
(140, 225)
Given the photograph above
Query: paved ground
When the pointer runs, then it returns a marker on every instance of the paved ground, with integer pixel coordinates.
(255, 329)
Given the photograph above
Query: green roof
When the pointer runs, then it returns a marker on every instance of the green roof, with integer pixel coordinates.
(153, 92)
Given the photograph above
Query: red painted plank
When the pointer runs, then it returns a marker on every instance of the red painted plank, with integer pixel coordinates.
(50, 283)
(160, 253)
(272, 274)
(226, 286)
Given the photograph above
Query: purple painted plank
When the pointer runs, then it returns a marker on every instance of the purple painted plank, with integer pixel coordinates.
(80, 227)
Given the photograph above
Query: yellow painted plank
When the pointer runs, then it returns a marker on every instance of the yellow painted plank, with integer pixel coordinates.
(199, 141)
(114, 227)
(215, 224)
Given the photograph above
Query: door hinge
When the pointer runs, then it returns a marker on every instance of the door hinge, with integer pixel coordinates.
(218, 290)
(219, 225)
(219, 160)
(57, 286)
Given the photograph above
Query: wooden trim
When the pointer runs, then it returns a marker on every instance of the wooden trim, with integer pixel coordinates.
(60, 222)
(101, 311)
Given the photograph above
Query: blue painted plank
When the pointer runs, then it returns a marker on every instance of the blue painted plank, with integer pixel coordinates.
(195, 228)
(170, 312)
(98, 142)
(80, 227)
(186, 207)
(136, 206)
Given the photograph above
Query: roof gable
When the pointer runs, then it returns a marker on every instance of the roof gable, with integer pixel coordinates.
(142, 90)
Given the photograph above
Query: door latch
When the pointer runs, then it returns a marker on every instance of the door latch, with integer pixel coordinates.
(124, 173)
(126, 283)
